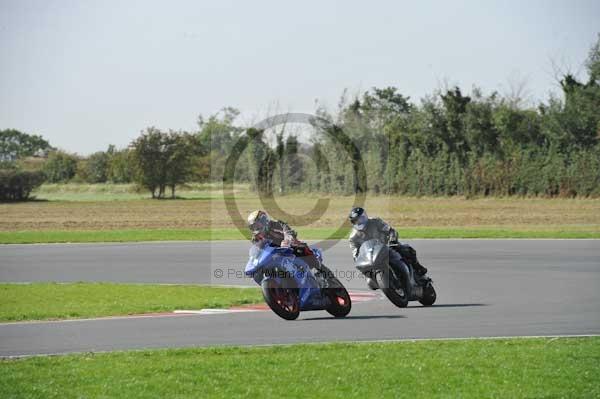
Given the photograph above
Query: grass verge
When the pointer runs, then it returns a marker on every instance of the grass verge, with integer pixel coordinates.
(31, 237)
(519, 368)
(44, 301)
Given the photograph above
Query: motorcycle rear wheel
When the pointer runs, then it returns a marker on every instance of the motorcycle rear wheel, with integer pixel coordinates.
(429, 296)
(283, 299)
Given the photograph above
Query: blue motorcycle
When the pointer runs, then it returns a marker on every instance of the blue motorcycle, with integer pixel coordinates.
(290, 286)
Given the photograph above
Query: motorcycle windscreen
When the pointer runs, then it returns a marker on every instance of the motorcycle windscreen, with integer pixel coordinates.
(371, 255)
(257, 257)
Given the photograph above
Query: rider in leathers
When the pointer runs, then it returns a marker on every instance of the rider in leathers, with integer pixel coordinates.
(280, 234)
(365, 228)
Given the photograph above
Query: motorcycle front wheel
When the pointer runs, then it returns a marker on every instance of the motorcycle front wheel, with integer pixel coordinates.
(341, 304)
(396, 291)
(282, 298)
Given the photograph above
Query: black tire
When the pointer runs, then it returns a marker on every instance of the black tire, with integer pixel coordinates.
(283, 299)
(394, 294)
(429, 296)
(341, 303)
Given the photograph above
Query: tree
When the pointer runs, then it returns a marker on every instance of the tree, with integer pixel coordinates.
(262, 161)
(150, 158)
(593, 62)
(97, 167)
(60, 167)
(455, 106)
(213, 144)
(179, 159)
(162, 160)
(293, 167)
(575, 120)
(121, 168)
(384, 104)
(515, 127)
(480, 132)
(15, 144)
(281, 161)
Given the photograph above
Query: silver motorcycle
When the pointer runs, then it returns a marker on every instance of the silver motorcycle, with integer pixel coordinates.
(399, 287)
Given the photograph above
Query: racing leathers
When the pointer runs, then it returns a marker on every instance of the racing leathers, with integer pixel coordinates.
(376, 228)
(280, 234)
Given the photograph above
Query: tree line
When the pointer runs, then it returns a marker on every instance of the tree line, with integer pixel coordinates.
(448, 143)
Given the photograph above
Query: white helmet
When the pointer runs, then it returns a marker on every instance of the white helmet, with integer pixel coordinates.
(358, 217)
(258, 222)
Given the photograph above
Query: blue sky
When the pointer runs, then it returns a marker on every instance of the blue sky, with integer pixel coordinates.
(86, 74)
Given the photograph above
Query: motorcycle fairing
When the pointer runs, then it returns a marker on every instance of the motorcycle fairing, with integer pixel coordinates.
(264, 258)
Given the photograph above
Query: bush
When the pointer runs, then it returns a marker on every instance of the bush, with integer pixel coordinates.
(97, 167)
(16, 185)
(60, 167)
(121, 168)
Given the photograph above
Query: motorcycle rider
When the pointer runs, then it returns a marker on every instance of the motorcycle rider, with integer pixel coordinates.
(280, 234)
(365, 228)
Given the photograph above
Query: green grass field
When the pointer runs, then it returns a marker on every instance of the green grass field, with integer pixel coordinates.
(43, 301)
(31, 237)
(516, 368)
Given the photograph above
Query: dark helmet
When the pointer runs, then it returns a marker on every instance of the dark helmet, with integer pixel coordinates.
(358, 217)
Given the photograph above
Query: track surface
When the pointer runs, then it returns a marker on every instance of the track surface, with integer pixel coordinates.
(485, 288)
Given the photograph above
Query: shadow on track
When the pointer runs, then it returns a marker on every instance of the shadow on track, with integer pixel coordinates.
(449, 305)
(396, 316)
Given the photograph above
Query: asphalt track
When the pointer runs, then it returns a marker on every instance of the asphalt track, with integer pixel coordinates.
(485, 288)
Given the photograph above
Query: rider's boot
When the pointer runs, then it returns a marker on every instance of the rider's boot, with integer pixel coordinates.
(410, 255)
(372, 284)
(420, 273)
(420, 269)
